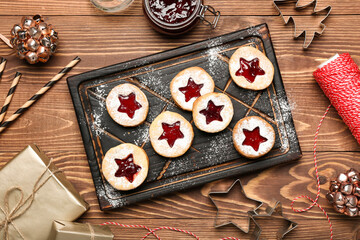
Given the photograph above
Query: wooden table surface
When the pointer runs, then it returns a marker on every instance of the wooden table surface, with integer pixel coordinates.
(102, 39)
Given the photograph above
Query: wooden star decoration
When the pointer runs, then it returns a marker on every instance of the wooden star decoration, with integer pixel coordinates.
(309, 37)
(273, 213)
(218, 205)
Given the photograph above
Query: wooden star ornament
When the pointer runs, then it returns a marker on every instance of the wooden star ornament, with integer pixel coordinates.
(309, 35)
(220, 206)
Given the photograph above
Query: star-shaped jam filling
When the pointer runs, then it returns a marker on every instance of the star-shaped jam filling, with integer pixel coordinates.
(212, 112)
(171, 133)
(250, 69)
(191, 90)
(128, 104)
(127, 168)
(253, 138)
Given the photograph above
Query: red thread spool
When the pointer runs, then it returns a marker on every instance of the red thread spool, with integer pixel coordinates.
(340, 80)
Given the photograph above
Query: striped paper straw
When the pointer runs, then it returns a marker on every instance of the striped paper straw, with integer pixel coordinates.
(9, 96)
(38, 95)
(2, 66)
(6, 40)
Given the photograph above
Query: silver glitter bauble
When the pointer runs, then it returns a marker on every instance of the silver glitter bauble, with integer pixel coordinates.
(346, 188)
(34, 40)
(351, 201)
(342, 178)
(344, 193)
(352, 212)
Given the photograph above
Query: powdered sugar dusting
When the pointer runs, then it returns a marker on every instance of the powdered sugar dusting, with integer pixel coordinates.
(181, 145)
(153, 79)
(287, 130)
(212, 55)
(110, 167)
(227, 113)
(143, 135)
(219, 146)
(196, 74)
(98, 125)
(250, 123)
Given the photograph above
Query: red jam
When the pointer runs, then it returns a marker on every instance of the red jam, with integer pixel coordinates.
(127, 168)
(128, 104)
(253, 138)
(191, 90)
(212, 112)
(172, 11)
(250, 69)
(171, 133)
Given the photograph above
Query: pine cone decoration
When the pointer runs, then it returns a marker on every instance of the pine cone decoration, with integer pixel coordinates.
(34, 40)
(345, 193)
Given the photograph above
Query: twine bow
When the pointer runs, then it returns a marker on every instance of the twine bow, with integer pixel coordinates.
(92, 232)
(19, 209)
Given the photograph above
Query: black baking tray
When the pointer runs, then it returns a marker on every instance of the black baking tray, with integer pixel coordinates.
(212, 156)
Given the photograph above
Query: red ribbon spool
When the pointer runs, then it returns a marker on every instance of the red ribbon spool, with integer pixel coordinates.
(340, 81)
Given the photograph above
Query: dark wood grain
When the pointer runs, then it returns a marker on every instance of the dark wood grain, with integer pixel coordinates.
(296, 66)
(103, 39)
(205, 162)
(227, 7)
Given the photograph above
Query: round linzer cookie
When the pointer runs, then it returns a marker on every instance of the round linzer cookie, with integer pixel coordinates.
(125, 166)
(171, 135)
(189, 84)
(127, 105)
(251, 69)
(213, 112)
(253, 137)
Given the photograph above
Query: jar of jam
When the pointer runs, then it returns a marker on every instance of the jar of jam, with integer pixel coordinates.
(175, 17)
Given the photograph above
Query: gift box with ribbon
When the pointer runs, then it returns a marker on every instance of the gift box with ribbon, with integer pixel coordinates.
(63, 230)
(34, 193)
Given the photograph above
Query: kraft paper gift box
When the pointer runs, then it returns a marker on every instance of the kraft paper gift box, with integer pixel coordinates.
(63, 230)
(47, 196)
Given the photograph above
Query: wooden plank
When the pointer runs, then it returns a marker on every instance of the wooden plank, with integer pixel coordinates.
(51, 122)
(282, 183)
(103, 39)
(227, 7)
(311, 229)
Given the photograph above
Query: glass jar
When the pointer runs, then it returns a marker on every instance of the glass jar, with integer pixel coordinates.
(175, 17)
(111, 5)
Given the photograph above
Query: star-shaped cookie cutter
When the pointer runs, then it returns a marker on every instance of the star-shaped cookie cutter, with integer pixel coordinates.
(249, 217)
(304, 32)
(270, 212)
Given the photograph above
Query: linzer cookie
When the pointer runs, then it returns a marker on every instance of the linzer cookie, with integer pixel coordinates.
(253, 137)
(127, 105)
(251, 69)
(189, 84)
(125, 166)
(171, 135)
(213, 112)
